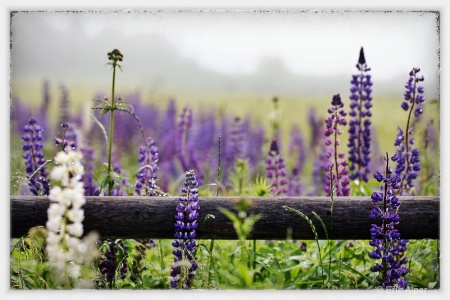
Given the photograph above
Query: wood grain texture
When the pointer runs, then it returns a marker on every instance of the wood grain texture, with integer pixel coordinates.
(153, 217)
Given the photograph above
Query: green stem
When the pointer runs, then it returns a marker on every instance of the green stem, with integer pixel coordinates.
(111, 126)
(211, 260)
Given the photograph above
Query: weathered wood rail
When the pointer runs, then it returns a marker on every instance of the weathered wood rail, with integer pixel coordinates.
(152, 217)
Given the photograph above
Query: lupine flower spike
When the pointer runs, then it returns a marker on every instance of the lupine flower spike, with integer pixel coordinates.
(34, 159)
(65, 216)
(385, 238)
(276, 171)
(113, 261)
(148, 159)
(90, 187)
(359, 124)
(185, 149)
(407, 158)
(335, 159)
(185, 264)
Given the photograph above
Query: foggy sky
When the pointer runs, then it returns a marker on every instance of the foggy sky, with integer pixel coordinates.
(291, 51)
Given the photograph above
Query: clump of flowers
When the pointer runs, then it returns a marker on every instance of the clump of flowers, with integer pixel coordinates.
(65, 216)
(336, 160)
(276, 171)
(113, 259)
(185, 264)
(385, 238)
(407, 157)
(359, 124)
(34, 159)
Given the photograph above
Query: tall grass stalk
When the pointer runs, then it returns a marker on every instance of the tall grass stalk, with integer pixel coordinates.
(313, 228)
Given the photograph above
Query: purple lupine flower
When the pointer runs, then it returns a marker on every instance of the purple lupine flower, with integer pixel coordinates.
(276, 171)
(184, 147)
(360, 124)
(68, 139)
(185, 224)
(377, 161)
(315, 127)
(298, 148)
(64, 106)
(295, 184)
(340, 176)
(34, 158)
(256, 139)
(406, 157)
(110, 262)
(318, 174)
(184, 123)
(19, 115)
(168, 145)
(148, 160)
(431, 137)
(43, 109)
(90, 187)
(233, 144)
(385, 238)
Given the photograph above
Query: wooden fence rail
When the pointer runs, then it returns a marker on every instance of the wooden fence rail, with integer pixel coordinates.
(152, 217)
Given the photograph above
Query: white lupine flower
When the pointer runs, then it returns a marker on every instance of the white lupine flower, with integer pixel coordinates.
(75, 229)
(74, 270)
(65, 224)
(62, 158)
(59, 173)
(76, 215)
(54, 224)
(55, 209)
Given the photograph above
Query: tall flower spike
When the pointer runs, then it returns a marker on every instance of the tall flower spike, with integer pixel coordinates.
(34, 158)
(297, 147)
(65, 216)
(184, 148)
(385, 238)
(148, 160)
(64, 106)
(335, 159)
(359, 124)
(276, 171)
(407, 158)
(111, 261)
(185, 264)
(90, 187)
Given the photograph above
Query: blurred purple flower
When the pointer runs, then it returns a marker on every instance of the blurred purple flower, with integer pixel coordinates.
(148, 161)
(90, 187)
(276, 171)
(34, 159)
